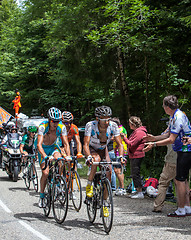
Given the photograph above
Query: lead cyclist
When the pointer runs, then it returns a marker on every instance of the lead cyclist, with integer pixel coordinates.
(98, 134)
(47, 146)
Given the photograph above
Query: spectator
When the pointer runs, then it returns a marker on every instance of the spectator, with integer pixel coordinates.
(179, 127)
(135, 146)
(117, 169)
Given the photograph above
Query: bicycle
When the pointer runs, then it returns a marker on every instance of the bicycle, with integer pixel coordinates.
(73, 184)
(56, 193)
(102, 196)
(30, 172)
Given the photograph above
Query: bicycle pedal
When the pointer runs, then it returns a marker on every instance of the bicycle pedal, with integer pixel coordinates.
(87, 200)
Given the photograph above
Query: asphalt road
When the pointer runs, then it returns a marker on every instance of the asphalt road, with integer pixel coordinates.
(20, 218)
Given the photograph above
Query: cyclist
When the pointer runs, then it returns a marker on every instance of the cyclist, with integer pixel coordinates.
(98, 134)
(27, 144)
(48, 133)
(72, 131)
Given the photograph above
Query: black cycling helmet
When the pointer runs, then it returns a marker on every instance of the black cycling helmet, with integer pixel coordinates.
(32, 129)
(67, 116)
(54, 114)
(103, 111)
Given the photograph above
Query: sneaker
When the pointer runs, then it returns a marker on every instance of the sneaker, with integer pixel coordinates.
(174, 214)
(139, 195)
(89, 191)
(42, 203)
(120, 192)
(105, 212)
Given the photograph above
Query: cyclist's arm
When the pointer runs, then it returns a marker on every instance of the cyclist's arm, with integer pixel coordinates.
(86, 146)
(21, 148)
(65, 143)
(78, 143)
(39, 146)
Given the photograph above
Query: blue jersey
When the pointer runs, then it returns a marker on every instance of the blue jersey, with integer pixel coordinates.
(180, 125)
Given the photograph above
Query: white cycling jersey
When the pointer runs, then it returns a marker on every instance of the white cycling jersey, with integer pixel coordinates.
(91, 130)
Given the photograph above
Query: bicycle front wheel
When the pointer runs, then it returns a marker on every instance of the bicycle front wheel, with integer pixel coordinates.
(26, 174)
(107, 205)
(34, 177)
(60, 199)
(75, 190)
(47, 193)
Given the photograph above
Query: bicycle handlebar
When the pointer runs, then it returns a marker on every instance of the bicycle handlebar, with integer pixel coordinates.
(109, 163)
(47, 161)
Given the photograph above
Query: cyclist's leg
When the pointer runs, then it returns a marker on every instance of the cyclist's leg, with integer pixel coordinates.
(89, 187)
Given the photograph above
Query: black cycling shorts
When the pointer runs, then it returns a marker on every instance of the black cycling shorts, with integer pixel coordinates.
(183, 165)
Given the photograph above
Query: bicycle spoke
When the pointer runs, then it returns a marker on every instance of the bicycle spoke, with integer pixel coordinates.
(107, 206)
(34, 177)
(47, 193)
(75, 190)
(60, 199)
(92, 206)
(26, 174)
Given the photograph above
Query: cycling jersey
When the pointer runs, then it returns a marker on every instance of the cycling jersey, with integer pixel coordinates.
(50, 149)
(115, 146)
(72, 132)
(91, 130)
(28, 143)
(180, 125)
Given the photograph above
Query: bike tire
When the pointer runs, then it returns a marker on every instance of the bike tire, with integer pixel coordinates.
(34, 177)
(48, 199)
(108, 202)
(15, 173)
(75, 190)
(60, 199)
(92, 206)
(26, 175)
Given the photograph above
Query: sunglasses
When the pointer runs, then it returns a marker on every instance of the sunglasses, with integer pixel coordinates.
(104, 120)
(67, 123)
(52, 121)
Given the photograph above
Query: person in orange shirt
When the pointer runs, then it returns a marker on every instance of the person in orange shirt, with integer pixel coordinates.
(17, 103)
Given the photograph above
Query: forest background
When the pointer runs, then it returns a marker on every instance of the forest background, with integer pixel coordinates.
(76, 55)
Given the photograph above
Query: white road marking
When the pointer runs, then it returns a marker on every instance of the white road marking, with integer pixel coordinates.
(38, 234)
(27, 226)
(5, 207)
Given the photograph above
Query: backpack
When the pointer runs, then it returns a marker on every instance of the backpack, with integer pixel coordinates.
(151, 182)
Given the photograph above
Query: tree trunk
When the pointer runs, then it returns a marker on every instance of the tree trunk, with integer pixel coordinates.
(123, 82)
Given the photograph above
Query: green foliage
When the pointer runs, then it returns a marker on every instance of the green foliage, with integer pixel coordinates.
(77, 55)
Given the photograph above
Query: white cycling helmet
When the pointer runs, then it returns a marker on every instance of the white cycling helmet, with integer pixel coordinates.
(67, 116)
(54, 114)
(103, 111)
(151, 191)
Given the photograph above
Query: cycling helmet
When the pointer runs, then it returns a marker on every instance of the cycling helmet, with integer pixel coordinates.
(67, 116)
(32, 129)
(13, 128)
(103, 111)
(54, 114)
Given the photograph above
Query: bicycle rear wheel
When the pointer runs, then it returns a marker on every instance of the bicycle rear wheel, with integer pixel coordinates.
(107, 205)
(26, 174)
(92, 206)
(34, 177)
(75, 190)
(48, 200)
(60, 199)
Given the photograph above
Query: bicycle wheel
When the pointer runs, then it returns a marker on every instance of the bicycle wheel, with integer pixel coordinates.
(34, 177)
(60, 199)
(26, 174)
(47, 192)
(75, 190)
(92, 206)
(107, 205)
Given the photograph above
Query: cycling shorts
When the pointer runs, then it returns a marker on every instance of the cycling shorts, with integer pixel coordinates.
(49, 150)
(183, 165)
